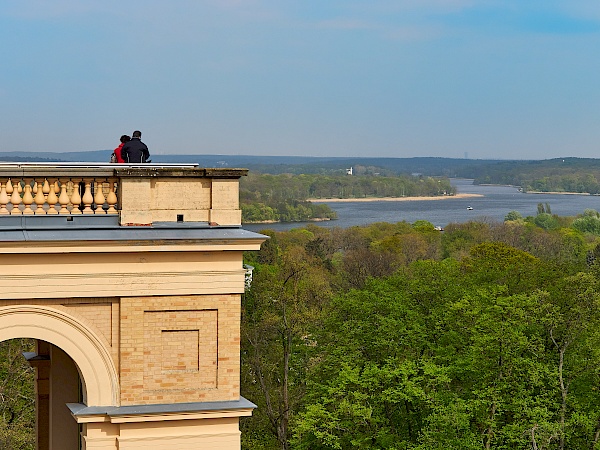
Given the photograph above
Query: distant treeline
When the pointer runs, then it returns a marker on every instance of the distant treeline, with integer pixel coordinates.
(429, 166)
(285, 197)
(553, 175)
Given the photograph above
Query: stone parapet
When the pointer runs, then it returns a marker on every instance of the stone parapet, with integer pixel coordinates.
(139, 194)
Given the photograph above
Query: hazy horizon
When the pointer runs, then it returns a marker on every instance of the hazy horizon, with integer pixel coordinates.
(33, 152)
(373, 78)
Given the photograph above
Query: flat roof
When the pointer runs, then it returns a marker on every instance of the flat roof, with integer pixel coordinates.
(107, 228)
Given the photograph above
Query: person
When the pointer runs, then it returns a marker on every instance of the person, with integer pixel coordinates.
(117, 151)
(135, 151)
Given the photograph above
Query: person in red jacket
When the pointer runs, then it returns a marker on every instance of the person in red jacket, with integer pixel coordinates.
(117, 151)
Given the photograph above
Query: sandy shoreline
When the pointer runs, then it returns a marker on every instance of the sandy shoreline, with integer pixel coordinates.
(390, 199)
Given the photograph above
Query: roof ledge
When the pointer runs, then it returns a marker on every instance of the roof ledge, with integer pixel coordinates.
(161, 412)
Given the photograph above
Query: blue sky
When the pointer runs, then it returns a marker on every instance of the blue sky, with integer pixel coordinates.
(494, 79)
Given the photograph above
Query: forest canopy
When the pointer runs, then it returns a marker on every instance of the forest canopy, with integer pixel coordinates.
(399, 336)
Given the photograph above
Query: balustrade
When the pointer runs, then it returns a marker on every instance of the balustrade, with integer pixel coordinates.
(141, 195)
(58, 195)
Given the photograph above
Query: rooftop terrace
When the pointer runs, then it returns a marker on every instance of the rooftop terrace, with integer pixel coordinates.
(66, 201)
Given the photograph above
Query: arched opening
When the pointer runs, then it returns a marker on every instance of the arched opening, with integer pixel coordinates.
(98, 373)
(37, 380)
(72, 365)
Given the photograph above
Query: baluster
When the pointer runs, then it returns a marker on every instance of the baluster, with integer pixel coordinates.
(52, 199)
(39, 198)
(87, 199)
(111, 198)
(27, 198)
(57, 188)
(99, 198)
(3, 200)
(9, 187)
(64, 198)
(15, 199)
(75, 197)
(46, 188)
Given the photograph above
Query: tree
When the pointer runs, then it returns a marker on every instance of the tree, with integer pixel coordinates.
(17, 399)
(588, 223)
(513, 216)
(458, 239)
(374, 377)
(546, 221)
(571, 315)
(278, 313)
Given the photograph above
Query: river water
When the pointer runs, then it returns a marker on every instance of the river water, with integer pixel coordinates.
(496, 202)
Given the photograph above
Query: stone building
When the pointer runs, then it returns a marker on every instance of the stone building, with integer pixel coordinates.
(129, 278)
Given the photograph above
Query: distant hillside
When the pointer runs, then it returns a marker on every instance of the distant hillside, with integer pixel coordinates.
(550, 175)
(428, 166)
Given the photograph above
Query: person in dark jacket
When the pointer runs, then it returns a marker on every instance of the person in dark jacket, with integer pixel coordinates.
(135, 151)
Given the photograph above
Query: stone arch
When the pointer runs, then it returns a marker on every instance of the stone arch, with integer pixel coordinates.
(97, 370)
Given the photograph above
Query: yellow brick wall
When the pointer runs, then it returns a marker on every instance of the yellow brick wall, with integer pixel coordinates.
(180, 349)
(180, 194)
(147, 200)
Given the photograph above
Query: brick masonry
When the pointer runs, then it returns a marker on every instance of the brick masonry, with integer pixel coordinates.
(180, 349)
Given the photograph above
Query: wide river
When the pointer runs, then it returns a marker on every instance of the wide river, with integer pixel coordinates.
(496, 202)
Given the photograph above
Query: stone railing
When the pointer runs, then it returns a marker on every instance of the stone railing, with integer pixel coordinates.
(139, 194)
(42, 192)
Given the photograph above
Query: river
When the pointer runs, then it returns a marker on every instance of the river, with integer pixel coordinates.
(496, 202)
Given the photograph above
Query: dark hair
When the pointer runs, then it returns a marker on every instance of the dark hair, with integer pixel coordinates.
(125, 138)
(137, 134)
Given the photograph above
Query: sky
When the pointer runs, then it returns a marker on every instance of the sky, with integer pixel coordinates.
(483, 79)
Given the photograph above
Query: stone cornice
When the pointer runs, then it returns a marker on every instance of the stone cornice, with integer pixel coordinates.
(161, 412)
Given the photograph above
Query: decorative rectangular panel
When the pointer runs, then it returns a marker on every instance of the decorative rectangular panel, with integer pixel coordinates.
(180, 350)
